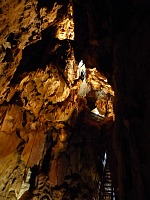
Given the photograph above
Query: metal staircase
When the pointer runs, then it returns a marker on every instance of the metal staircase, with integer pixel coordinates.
(106, 189)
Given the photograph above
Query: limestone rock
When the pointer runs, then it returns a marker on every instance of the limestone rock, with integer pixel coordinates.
(42, 95)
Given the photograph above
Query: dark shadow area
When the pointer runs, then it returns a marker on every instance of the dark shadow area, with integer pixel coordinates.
(35, 55)
(34, 170)
(49, 4)
(38, 55)
(97, 27)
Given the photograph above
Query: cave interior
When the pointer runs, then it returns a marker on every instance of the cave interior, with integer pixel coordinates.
(74, 100)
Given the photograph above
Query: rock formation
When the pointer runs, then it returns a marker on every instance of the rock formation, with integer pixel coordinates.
(59, 115)
(47, 132)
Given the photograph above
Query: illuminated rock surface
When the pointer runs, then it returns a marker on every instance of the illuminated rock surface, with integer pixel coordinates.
(42, 97)
(57, 119)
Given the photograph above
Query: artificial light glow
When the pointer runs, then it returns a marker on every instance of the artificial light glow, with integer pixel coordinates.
(80, 64)
(104, 160)
(96, 112)
(81, 71)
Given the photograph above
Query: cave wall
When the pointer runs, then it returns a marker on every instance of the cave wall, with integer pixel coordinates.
(132, 107)
(125, 24)
(46, 152)
(40, 102)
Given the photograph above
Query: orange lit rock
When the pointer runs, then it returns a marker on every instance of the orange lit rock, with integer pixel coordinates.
(40, 102)
(34, 149)
(53, 178)
(9, 143)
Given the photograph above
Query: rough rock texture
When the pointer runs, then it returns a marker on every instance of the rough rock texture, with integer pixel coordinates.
(47, 134)
(56, 111)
